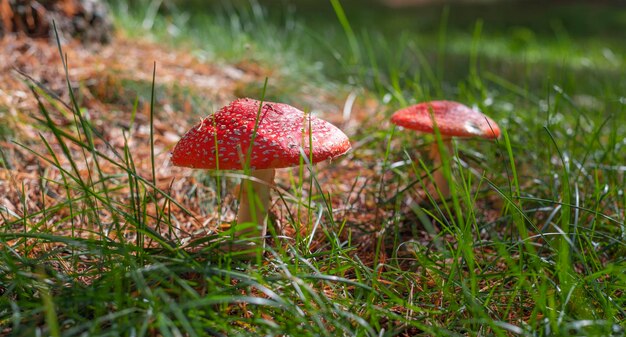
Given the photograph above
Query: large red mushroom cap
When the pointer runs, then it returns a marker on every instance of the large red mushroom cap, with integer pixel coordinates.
(224, 137)
(453, 120)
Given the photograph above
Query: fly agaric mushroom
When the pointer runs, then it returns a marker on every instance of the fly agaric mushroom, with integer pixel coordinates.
(244, 135)
(453, 120)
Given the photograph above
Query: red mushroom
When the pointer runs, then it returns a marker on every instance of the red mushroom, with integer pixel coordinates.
(453, 120)
(243, 135)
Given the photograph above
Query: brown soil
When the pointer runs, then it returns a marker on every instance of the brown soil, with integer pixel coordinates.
(187, 89)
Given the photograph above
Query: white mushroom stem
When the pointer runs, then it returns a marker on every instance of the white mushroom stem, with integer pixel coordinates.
(254, 202)
(439, 178)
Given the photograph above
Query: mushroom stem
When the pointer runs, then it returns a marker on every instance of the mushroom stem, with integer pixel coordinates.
(254, 202)
(439, 179)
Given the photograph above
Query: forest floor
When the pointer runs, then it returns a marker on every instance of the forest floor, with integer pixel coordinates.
(98, 225)
(107, 81)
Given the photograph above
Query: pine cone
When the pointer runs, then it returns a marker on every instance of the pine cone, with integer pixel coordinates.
(86, 20)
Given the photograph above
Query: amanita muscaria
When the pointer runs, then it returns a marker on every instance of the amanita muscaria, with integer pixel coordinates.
(245, 135)
(453, 120)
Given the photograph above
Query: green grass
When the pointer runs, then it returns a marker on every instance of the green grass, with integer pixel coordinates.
(532, 241)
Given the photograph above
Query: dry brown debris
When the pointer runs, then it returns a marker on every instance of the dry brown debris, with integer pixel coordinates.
(98, 75)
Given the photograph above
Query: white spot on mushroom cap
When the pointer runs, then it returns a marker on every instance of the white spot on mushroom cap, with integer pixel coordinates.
(472, 128)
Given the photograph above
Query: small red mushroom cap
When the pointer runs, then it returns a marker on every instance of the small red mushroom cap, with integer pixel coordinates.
(224, 138)
(453, 120)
